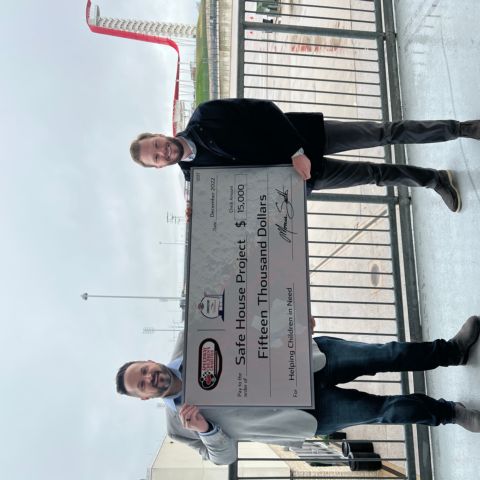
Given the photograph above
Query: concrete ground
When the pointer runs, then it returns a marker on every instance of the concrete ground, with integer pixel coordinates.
(439, 55)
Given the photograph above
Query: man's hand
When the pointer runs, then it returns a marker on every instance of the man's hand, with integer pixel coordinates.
(302, 165)
(312, 323)
(192, 419)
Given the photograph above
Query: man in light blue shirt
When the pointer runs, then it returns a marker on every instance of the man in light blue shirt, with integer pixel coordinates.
(215, 431)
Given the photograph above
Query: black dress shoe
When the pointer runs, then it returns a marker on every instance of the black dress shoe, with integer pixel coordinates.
(470, 129)
(466, 337)
(447, 190)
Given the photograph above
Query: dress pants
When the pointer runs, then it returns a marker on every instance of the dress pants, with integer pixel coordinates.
(337, 408)
(343, 136)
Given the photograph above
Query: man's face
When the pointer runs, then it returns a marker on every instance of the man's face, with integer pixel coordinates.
(160, 151)
(149, 380)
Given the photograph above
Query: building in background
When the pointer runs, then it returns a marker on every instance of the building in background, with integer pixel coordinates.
(176, 461)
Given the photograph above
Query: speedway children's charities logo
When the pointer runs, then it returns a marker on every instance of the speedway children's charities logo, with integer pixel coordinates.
(209, 364)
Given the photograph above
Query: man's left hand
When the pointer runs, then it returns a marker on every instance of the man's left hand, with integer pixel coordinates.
(188, 212)
(302, 165)
(192, 419)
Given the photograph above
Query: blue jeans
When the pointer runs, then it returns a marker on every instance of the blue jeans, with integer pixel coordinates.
(337, 408)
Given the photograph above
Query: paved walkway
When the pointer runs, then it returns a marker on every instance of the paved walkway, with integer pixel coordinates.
(439, 52)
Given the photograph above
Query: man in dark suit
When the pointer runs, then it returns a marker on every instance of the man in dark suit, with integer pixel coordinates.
(246, 132)
(213, 432)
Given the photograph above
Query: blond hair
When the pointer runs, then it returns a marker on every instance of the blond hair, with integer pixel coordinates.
(135, 147)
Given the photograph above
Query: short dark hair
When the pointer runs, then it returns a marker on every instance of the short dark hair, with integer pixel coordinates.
(135, 147)
(120, 378)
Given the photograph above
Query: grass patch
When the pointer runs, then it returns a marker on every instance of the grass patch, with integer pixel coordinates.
(201, 53)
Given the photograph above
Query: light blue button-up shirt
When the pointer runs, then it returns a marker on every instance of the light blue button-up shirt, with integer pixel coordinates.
(193, 148)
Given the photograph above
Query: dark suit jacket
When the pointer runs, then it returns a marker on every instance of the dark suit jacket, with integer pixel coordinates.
(252, 132)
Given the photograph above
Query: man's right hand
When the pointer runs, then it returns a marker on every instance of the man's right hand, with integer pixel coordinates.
(302, 165)
(192, 419)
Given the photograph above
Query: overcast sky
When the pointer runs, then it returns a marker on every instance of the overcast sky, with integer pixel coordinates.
(78, 216)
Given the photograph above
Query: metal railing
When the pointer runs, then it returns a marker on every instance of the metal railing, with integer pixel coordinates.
(339, 57)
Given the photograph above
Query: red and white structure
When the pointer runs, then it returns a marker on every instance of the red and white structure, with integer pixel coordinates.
(170, 34)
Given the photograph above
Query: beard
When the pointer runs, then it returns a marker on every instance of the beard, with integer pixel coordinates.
(179, 146)
(167, 381)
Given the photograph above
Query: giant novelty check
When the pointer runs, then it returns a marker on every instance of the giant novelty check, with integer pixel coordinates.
(247, 336)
